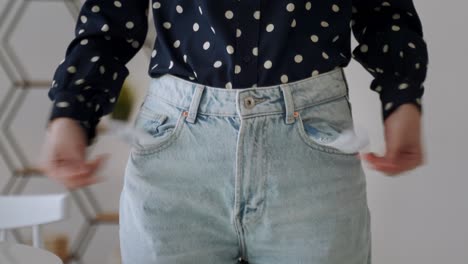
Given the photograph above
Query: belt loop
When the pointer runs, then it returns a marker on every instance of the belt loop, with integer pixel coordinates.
(192, 113)
(345, 81)
(288, 102)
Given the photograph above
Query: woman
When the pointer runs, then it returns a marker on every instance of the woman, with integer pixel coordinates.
(246, 99)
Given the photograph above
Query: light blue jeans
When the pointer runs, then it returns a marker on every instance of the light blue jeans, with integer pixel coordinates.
(231, 174)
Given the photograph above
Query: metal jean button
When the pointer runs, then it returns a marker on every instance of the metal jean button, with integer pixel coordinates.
(249, 102)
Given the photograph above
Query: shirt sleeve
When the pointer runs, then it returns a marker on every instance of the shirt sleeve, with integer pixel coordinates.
(87, 82)
(392, 49)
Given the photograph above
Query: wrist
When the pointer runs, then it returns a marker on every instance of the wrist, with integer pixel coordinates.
(60, 122)
(410, 108)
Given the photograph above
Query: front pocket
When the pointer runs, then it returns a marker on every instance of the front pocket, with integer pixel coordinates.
(320, 126)
(160, 127)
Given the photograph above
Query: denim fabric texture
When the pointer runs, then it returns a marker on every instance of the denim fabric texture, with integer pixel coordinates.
(232, 175)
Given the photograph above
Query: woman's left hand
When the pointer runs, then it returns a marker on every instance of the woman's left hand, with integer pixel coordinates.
(403, 142)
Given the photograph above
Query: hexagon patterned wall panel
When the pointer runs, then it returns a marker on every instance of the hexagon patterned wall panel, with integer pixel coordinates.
(21, 76)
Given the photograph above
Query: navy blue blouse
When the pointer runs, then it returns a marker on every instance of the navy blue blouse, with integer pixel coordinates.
(238, 44)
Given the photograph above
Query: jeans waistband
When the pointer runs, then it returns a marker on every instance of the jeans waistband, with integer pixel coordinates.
(286, 98)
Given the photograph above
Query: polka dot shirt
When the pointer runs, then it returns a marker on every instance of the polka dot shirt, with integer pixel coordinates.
(238, 44)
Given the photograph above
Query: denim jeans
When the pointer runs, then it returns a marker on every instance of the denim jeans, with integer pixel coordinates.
(242, 174)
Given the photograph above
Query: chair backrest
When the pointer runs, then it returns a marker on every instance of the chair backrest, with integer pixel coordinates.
(18, 211)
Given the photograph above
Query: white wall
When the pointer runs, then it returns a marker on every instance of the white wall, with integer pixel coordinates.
(418, 217)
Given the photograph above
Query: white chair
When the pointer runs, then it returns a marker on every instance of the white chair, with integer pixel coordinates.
(18, 211)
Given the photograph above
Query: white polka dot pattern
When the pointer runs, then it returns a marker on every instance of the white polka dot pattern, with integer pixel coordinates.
(392, 49)
(245, 45)
(88, 81)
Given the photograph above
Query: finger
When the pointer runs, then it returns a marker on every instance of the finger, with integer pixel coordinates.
(397, 165)
(76, 180)
(80, 180)
(404, 160)
(388, 171)
(94, 179)
(79, 183)
(97, 162)
(388, 164)
(84, 180)
(75, 170)
(384, 164)
(409, 164)
(88, 177)
(72, 172)
(371, 157)
(393, 162)
(375, 160)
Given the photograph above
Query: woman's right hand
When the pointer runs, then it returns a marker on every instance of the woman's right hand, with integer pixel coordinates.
(63, 155)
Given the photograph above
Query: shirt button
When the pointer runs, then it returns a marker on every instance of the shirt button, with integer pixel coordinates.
(246, 58)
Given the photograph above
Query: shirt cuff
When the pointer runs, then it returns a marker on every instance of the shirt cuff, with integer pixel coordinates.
(69, 105)
(394, 93)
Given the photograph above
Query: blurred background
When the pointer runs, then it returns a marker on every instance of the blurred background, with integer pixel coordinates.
(418, 217)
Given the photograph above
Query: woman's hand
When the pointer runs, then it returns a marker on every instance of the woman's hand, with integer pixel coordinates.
(403, 142)
(64, 152)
